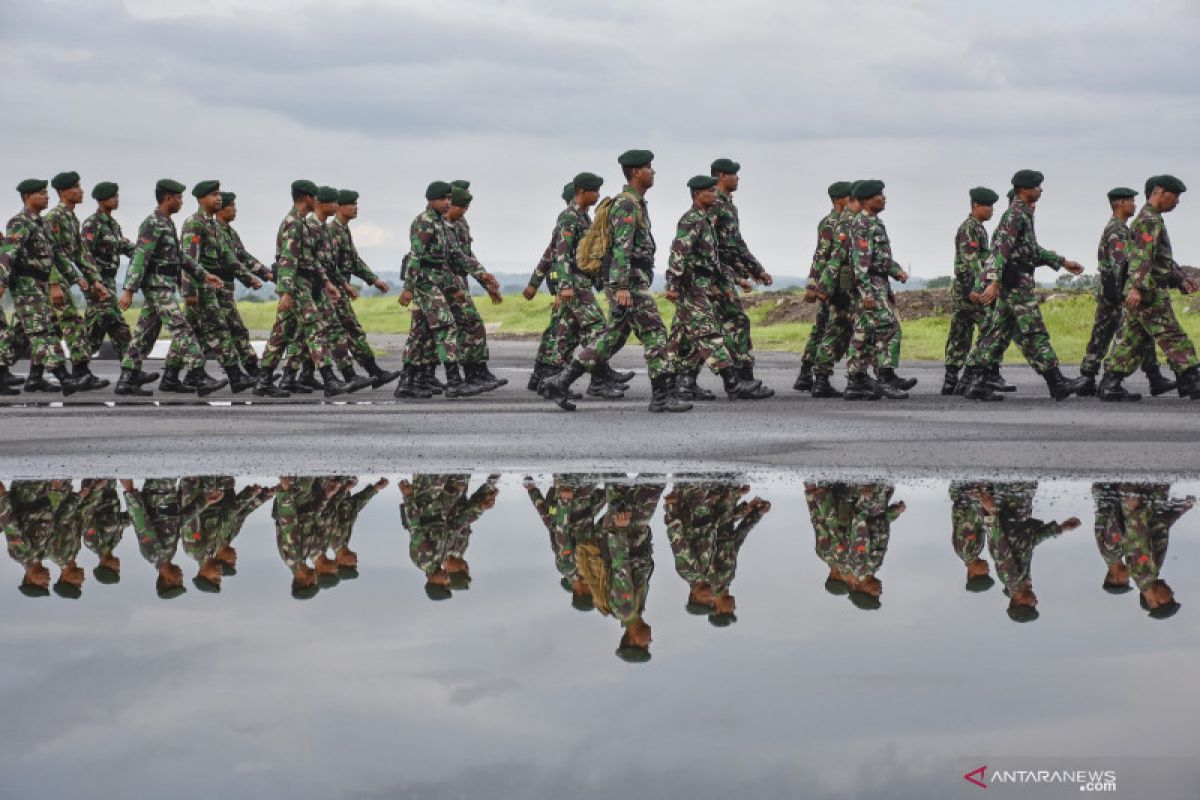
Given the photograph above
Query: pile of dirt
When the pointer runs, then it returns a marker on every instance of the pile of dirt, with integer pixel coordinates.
(915, 304)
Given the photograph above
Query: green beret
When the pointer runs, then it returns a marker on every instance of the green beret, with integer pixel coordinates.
(460, 197)
(1010, 194)
(437, 190)
(1150, 184)
(839, 189)
(588, 181)
(1023, 613)
(170, 186)
(569, 192)
(633, 655)
(853, 186)
(635, 158)
(983, 196)
(726, 165)
(32, 185)
(1121, 193)
(304, 187)
(105, 190)
(460, 184)
(228, 199)
(65, 180)
(327, 194)
(700, 182)
(1169, 183)
(347, 197)
(205, 188)
(864, 189)
(1027, 179)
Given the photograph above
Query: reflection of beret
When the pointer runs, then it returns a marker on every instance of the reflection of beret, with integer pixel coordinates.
(304, 187)
(1121, 193)
(869, 188)
(722, 620)
(633, 655)
(1027, 179)
(983, 196)
(635, 158)
(864, 601)
(228, 199)
(569, 192)
(588, 181)
(347, 197)
(435, 592)
(701, 182)
(65, 180)
(104, 190)
(106, 575)
(31, 185)
(460, 184)
(170, 186)
(699, 609)
(68, 590)
(304, 592)
(460, 580)
(839, 189)
(205, 585)
(437, 190)
(726, 165)
(1022, 613)
(33, 590)
(460, 197)
(980, 583)
(205, 188)
(327, 194)
(1169, 183)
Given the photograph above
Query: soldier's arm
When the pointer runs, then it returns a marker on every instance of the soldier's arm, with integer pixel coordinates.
(967, 268)
(62, 270)
(1141, 257)
(420, 236)
(289, 253)
(823, 252)
(124, 246)
(1113, 265)
(564, 244)
(862, 247)
(147, 244)
(681, 248)
(1002, 247)
(623, 218)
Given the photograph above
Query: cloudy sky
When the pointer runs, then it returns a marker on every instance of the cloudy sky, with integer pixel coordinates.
(932, 96)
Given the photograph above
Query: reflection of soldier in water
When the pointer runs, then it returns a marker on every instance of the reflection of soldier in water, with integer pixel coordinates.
(300, 508)
(869, 535)
(40, 521)
(707, 525)
(1013, 539)
(830, 511)
(1133, 526)
(158, 514)
(347, 505)
(971, 527)
(438, 514)
(615, 560)
(569, 510)
(104, 524)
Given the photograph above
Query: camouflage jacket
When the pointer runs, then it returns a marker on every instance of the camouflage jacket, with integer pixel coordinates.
(825, 246)
(872, 256)
(971, 524)
(871, 528)
(347, 262)
(204, 242)
(694, 259)
(106, 243)
(460, 231)
(71, 259)
(1112, 258)
(736, 259)
(31, 513)
(1151, 262)
(1015, 241)
(27, 257)
(838, 272)
(158, 514)
(248, 262)
(158, 259)
(970, 253)
(106, 523)
(435, 259)
(631, 262)
(573, 222)
(628, 552)
(296, 257)
(323, 246)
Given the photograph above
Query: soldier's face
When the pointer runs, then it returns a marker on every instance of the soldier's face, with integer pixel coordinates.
(455, 212)
(174, 202)
(729, 182)
(38, 200)
(706, 197)
(73, 195)
(646, 174)
(1169, 201)
(440, 205)
(229, 213)
(111, 204)
(589, 198)
(983, 213)
(348, 211)
(211, 201)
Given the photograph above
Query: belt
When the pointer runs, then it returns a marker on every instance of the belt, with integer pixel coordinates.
(165, 270)
(26, 271)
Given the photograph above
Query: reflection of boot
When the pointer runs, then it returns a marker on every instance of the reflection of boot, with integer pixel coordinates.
(1111, 390)
(805, 380)
(1159, 384)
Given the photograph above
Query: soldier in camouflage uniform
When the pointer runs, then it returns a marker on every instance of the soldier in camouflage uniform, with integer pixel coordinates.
(346, 509)
(553, 350)
(1010, 285)
(966, 313)
(875, 323)
(105, 244)
(630, 265)
(830, 510)
(12, 339)
(569, 510)
(831, 281)
(869, 534)
(299, 274)
(1137, 546)
(72, 264)
(103, 525)
(299, 504)
(259, 274)
(839, 195)
(972, 518)
(36, 518)
(209, 539)
(158, 515)
(438, 514)
(693, 275)
(27, 262)
(475, 352)
(1012, 541)
(1149, 316)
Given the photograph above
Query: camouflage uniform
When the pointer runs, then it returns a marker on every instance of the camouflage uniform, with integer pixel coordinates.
(71, 261)
(692, 272)
(298, 513)
(616, 563)
(875, 329)
(1112, 260)
(826, 242)
(439, 515)
(580, 318)
(347, 507)
(561, 337)
(347, 264)
(871, 528)
(631, 267)
(1152, 270)
(472, 333)
(970, 253)
(216, 525)
(155, 269)
(207, 247)
(336, 335)
(836, 281)
(1015, 254)
(105, 243)
(1016, 534)
(12, 335)
(158, 514)
(32, 514)
(432, 275)
(737, 262)
(225, 296)
(300, 274)
(568, 519)
(26, 264)
(105, 522)
(1147, 514)
(831, 510)
(707, 526)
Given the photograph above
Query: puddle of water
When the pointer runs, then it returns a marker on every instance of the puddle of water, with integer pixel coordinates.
(450, 635)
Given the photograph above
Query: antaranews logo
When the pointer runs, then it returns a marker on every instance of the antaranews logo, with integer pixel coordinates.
(1087, 780)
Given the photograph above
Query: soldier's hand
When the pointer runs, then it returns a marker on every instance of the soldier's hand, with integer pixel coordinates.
(406, 297)
(989, 294)
(285, 483)
(765, 279)
(493, 293)
(192, 300)
(902, 277)
(126, 300)
(1133, 300)
(566, 293)
(623, 298)
(213, 496)
(1069, 525)
(101, 292)
(57, 298)
(255, 283)
(331, 291)
(868, 303)
(1073, 267)
(350, 290)
(83, 285)
(672, 295)
(745, 285)
(622, 518)
(406, 488)
(974, 297)
(810, 295)
(213, 282)
(285, 301)
(530, 292)
(382, 286)
(381, 483)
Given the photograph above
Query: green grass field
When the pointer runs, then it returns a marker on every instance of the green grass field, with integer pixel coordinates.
(1069, 321)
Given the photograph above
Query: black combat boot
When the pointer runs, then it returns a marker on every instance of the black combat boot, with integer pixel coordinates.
(1060, 387)
(379, 376)
(1111, 390)
(204, 383)
(141, 377)
(1159, 383)
(428, 374)
(474, 373)
(36, 382)
(736, 388)
(888, 375)
(6, 390)
(558, 387)
(600, 386)
(859, 386)
(308, 376)
(250, 364)
(288, 383)
(805, 380)
(8, 379)
(85, 381)
(663, 396)
(265, 386)
(354, 381)
(950, 382)
(688, 387)
(65, 380)
(238, 380)
(409, 385)
(978, 386)
(613, 375)
(1188, 383)
(170, 382)
(540, 371)
(127, 386)
(330, 384)
(888, 385)
(823, 388)
(487, 373)
(997, 382)
(457, 385)
(965, 380)
(1088, 389)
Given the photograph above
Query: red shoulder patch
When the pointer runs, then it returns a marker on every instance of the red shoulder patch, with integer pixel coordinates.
(626, 219)
(1147, 238)
(1119, 246)
(842, 237)
(973, 244)
(863, 244)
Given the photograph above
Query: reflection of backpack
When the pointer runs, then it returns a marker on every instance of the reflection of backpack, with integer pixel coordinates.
(595, 244)
(590, 565)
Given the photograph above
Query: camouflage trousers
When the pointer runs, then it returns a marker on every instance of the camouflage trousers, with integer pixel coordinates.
(965, 319)
(433, 333)
(237, 328)
(356, 336)
(103, 318)
(71, 325)
(560, 338)
(1018, 315)
(1104, 329)
(830, 337)
(161, 308)
(969, 521)
(12, 339)
(871, 341)
(34, 315)
(1153, 322)
(303, 323)
(337, 339)
(736, 327)
(641, 318)
(817, 333)
(211, 324)
(696, 332)
(580, 320)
